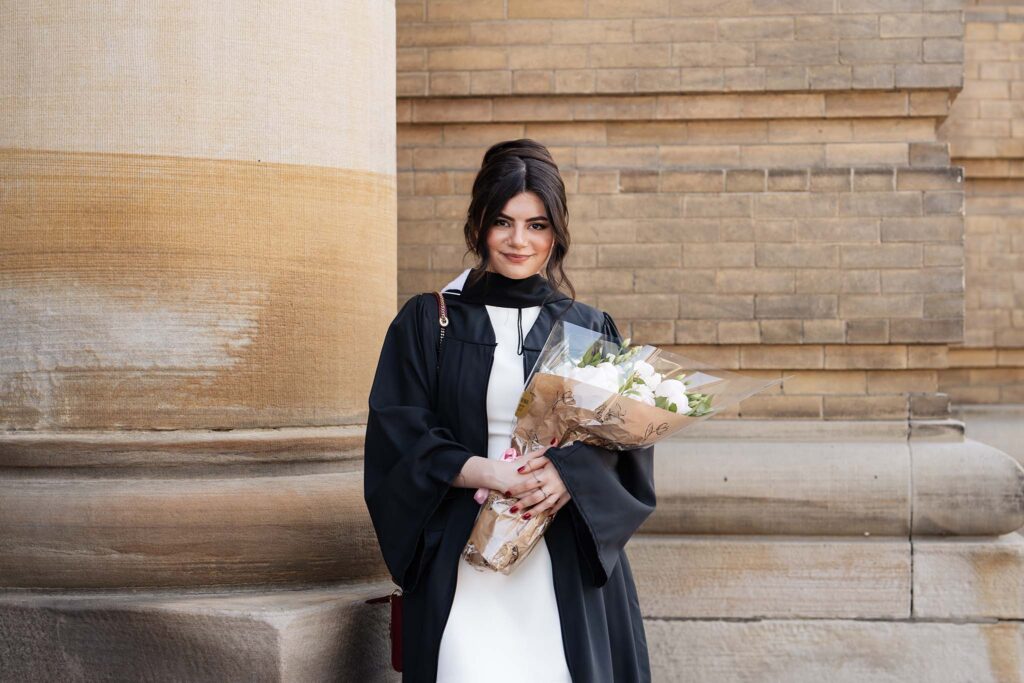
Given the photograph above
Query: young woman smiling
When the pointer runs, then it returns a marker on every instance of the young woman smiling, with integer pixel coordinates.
(436, 432)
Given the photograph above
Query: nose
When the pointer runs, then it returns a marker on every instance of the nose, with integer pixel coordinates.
(518, 237)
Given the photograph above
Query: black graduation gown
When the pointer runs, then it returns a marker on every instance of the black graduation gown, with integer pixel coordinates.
(414, 451)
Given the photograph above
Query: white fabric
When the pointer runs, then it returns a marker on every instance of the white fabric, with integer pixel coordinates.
(504, 627)
(457, 283)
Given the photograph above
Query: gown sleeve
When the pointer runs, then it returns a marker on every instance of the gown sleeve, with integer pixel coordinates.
(410, 459)
(612, 494)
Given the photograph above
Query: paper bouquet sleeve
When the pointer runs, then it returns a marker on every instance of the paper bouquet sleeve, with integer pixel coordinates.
(589, 388)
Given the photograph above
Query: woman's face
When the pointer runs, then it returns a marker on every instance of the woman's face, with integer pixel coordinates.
(521, 229)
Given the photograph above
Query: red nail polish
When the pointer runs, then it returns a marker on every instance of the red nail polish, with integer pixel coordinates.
(508, 493)
(554, 441)
(526, 516)
(521, 469)
(514, 508)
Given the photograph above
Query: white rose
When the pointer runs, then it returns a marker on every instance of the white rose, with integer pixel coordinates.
(598, 376)
(646, 372)
(675, 392)
(669, 386)
(609, 377)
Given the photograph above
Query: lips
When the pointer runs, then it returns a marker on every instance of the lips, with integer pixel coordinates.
(518, 258)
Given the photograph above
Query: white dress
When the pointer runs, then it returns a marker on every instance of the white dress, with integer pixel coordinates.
(504, 627)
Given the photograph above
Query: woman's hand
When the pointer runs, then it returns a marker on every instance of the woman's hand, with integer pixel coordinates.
(506, 475)
(543, 489)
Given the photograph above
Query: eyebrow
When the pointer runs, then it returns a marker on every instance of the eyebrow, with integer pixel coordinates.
(535, 218)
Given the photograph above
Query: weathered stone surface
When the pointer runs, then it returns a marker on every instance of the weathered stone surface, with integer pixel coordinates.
(969, 577)
(771, 576)
(781, 487)
(314, 634)
(837, 651)
(288, 524)
(965, 488)
(235, 509)
(808, 487)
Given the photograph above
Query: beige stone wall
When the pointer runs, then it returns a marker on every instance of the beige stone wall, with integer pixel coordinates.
(759, 184)
(985, 130)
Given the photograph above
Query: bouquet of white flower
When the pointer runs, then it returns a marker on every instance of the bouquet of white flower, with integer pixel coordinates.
(587, 387)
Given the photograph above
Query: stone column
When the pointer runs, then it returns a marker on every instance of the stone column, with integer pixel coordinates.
(197, 266)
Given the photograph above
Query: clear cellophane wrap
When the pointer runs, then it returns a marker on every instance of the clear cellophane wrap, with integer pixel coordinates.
(554, 406)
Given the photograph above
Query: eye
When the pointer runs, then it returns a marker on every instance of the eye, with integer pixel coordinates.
(503, 223)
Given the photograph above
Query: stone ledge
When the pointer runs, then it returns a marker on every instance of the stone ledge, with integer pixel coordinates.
(964, 489)
(781, 487)
(707, 81)
(139, 530)
(315, 634)
(289, 523)
(905, 102)
(180, 447)
(771, 576)
(789, 486)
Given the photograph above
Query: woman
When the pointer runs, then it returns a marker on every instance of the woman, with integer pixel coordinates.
(569, 611)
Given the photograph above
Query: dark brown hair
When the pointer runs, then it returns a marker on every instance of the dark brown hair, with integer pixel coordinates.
(509, 168)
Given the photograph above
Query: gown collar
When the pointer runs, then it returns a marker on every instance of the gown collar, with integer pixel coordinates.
(494, 289)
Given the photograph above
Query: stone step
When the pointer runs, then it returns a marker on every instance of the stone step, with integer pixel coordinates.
(752, 577)
(278, 636)
(834, 650)
(969, 577)
(726, 608)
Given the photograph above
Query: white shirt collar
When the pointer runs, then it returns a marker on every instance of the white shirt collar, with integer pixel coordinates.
(456, 284)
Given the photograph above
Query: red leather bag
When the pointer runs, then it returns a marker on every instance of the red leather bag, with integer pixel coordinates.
(395, 598)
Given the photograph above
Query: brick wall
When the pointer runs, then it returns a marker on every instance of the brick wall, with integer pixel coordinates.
(985, 130)
(764, 190)
(513, 47)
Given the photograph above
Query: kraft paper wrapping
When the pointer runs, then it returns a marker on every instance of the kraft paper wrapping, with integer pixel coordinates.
(500, 539)
(557, 407)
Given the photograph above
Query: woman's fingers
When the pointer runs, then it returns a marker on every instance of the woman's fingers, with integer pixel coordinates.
(536, 501)
(530, 455)
(529, 478)
(527, 505)
(532, 463)
(537, 452)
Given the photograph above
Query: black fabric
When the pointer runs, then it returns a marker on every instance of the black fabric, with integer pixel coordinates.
(414, 450)
(495, 289)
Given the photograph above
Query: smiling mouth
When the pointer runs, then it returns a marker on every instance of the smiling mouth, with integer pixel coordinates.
(518, 256)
